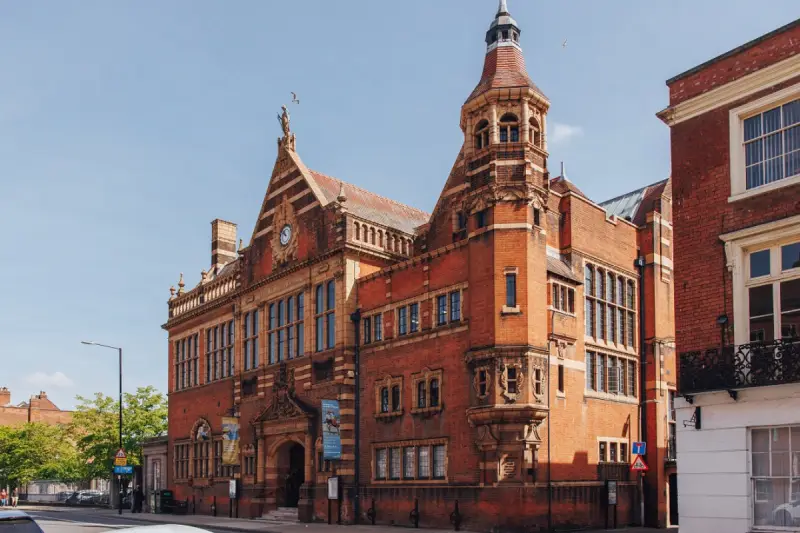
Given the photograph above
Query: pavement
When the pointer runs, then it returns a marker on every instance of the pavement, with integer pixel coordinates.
(95, 520)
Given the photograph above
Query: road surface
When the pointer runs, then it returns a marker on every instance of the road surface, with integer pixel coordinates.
(83, 521)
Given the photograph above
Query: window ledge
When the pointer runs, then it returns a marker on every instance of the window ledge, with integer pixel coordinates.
(560, 312)
(610, 397)
(560, 394)
(510, 310)
(765, 189)
(426, 410)
(389, 416)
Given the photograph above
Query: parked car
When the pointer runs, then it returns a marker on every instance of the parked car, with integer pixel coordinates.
(86, 497)
(18, 522)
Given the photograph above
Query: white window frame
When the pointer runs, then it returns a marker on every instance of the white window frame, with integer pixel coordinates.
(753, 480)
(738, 246)
(736, 118)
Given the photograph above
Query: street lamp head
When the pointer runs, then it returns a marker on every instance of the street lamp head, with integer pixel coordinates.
(89, 343)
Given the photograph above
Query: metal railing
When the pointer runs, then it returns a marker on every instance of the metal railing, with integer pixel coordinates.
(729, 368)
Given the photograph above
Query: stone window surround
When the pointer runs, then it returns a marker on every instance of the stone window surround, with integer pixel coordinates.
(570, 289)
(388, 383)
(401, 445)
(426, 375)
(617, 441)
(430, 316)
(505, 310)
(736, 119)
(738, 245)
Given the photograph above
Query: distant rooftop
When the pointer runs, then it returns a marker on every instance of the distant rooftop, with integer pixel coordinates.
(628, 206)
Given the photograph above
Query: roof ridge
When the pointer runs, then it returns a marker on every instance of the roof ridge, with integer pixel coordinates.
(420, 211)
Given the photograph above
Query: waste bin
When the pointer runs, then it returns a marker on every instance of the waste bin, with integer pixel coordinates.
(164, 501)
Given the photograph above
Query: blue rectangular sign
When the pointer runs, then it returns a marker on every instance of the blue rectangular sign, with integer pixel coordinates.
(639, 448)
(331, 422)
(123, 470)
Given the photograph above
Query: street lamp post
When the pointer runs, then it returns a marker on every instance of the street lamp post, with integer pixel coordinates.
(119, 350)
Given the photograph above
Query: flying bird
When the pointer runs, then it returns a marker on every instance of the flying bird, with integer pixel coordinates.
(294, 99)
(564, 44)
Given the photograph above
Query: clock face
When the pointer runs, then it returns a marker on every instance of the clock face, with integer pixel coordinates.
(286, 234)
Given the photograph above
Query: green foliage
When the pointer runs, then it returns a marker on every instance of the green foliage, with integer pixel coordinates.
(38, 451)
(84, 449)
(95, 425)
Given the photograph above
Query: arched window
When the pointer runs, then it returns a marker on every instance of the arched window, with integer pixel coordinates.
(536, 133)
(358, 231)
(405, 244)
(384, 400)
(380, 238)
(434, 396)
(421, 396)
(372, 236)
(395, 398)
(588, 283)
(509, 128)
(482, 134)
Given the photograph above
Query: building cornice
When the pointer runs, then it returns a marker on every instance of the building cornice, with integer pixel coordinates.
(733, 91)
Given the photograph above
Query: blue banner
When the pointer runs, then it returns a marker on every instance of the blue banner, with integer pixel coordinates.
(331, 422)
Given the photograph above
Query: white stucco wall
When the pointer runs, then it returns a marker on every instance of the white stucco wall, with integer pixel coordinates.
(714, 488)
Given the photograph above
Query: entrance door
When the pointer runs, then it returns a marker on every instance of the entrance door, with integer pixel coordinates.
(673, 499)
(296, 477)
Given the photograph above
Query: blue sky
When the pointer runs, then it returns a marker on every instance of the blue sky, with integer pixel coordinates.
(126, 127)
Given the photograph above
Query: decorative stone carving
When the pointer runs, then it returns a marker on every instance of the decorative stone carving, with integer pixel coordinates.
(201, 431)
(288, 139)
(284, 405)
(284, 217)
(511, 388)
(561, 349)
(539, 379)
(487, 381)
(486, 439)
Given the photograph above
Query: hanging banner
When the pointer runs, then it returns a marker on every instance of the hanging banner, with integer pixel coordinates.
(331, 422)
(230, 441)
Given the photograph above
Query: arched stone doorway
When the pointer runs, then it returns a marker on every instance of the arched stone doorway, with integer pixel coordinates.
(289, 462)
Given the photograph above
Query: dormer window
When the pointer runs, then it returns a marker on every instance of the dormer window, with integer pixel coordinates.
(509, 128)
(505, 35)
(482, 134)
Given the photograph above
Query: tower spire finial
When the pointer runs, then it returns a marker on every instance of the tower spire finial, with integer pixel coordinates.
(503, 7)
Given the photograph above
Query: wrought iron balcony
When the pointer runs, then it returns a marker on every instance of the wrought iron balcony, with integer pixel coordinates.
(730, 368)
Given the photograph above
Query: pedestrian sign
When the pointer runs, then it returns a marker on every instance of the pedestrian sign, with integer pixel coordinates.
(120, 458)
(639, 448)
(123, 470)
(639, 464)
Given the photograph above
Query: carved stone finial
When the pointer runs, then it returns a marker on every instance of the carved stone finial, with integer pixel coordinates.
(181, 285)
(172, 292)
(240, 246)
(288, 139)
(342, 197)
(203, 276)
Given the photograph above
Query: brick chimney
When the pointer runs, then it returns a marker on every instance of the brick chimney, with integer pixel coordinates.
(5, 396)
(223, 244)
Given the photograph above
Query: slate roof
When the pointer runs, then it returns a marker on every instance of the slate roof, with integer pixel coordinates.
(560, 268)
(370, 206)
(633, 206)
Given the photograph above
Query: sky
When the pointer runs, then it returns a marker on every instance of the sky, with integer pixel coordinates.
(126, 127)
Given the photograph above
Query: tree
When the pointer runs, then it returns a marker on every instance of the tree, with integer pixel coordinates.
(95, 425)
(37, 451)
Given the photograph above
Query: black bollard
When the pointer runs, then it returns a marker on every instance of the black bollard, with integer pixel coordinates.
(371, 512)
(194, 505)
(414, 514)
(214, 507)
(456, 518)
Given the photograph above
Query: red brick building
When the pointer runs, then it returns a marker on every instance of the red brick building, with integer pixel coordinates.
(735, 134)
(499, 338)
(38, 409)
